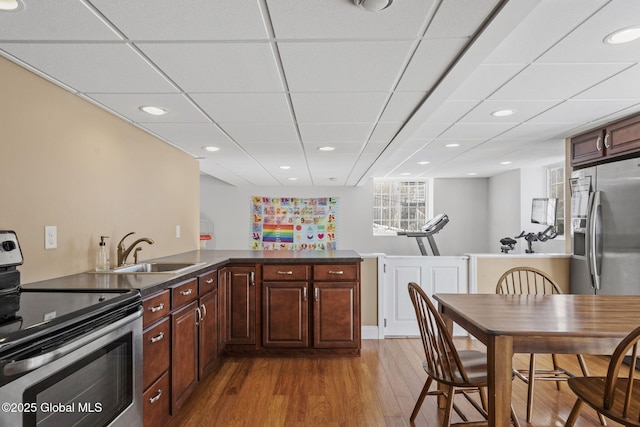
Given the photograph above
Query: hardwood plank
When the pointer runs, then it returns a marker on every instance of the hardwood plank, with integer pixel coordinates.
(379, 388)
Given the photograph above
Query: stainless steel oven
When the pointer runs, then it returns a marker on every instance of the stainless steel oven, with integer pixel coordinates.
(70, 358)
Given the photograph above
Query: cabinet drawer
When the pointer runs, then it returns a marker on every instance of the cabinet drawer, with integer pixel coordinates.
(285, 272)
(332, 272)
(184, 293)
(156, 403)
(155, 307)
(155, 351)
(207, 282)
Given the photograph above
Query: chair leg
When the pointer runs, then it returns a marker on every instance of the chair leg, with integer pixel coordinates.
(573, 415)
(449, 408)
(531, 382)
(585, 373)
(514, 418)
(555, 368)
(423, 394)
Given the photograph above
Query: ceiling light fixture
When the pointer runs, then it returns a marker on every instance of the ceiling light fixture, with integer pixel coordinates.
(326, 148)
(285, 167)
(452, 145)
(624, 35)
(154, 111)
(373, 5)
(502, 113)
(505, 163)
(292, 179)
(472, 174)
(10, 5)
(405, 174)
(424, 162)
(210, 149)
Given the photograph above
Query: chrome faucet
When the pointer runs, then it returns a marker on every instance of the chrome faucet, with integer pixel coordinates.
(123, 252)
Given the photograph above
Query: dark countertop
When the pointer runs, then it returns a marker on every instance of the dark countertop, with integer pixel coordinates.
(148, 283)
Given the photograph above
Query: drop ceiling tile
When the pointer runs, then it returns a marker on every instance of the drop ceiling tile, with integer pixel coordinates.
(261, 132)
(485, 80)
(430, 130)
(334, 132)
(402, 105)
(92, 67)
(541, 29)
(195, 20)
(54, 20)
(524, 110)
(364, 66)
(541, 131)
(582, 111)
(289, 153)
(341, 148)
(585, 43)
(621, 86)
(217, 67)
(128, 105)
(555, 81)
(452, 111)
(194, 135)
(476, 130)
(245, 107)
(385, 132)
(337, 107)
(460, 18)
(430, 62)
(295, 19)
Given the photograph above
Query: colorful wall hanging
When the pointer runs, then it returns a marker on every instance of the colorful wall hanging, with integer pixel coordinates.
(293, 223)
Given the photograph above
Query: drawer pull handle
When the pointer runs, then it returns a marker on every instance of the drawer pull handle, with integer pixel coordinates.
(155, 398)
(209, 281)
(336, 272)
(157, 338)
(286, 272)
(187, 292)
(156, 308)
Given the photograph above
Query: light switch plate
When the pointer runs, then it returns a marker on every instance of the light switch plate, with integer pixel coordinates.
(50, 237)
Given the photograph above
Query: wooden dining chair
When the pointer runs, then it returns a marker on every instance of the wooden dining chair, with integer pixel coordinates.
(529, 280)
(457, 372)
(618, 398)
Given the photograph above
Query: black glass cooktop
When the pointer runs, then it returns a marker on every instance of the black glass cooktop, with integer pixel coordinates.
(29, 313)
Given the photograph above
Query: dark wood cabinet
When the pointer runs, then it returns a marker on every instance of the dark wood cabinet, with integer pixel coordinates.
(156, 403)
(336, 315)
(620, 139)
(184, 354)
(239, 300)
(285, 314)
(208, 333)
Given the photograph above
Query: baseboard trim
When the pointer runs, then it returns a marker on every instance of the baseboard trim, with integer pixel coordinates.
(370, 333)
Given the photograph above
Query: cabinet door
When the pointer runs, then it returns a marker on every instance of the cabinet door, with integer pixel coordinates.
(155, 351)
(184, 354)
(240, 305)
(623, 137)
(336, 318)
(285, 314)
(157, 403)
(208, 333)
(587, 148)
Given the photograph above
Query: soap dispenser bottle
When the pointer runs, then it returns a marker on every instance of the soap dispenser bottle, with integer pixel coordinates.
(102, 256)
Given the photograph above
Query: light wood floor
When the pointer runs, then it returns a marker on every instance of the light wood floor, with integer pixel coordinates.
(379, 388)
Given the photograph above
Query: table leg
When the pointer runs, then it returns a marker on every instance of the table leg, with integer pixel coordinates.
(442, 402)
(499, 357)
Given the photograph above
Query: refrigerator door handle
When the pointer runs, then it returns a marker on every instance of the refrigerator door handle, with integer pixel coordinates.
(588, 244)
(594, 236)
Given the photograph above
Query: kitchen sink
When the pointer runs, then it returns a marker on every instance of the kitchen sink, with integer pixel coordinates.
(156, 267)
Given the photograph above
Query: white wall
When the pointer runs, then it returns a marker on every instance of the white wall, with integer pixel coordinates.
(228, 208)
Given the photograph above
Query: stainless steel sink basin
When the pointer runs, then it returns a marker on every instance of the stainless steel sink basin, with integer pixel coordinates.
(156, 267)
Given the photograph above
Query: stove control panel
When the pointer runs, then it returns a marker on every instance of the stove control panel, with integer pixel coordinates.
(10, 254)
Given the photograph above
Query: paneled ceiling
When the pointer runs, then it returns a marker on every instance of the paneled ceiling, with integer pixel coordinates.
(269, 82)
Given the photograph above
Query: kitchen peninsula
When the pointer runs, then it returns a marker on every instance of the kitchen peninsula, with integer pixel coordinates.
(235, 302)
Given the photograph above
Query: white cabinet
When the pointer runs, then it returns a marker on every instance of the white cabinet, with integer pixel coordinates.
(435, 274)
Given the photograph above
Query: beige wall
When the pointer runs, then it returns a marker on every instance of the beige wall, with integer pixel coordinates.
(490, 269)
(70, 164)
(369, 292)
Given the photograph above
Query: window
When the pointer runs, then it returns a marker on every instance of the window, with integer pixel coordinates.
(555, 188)
(398, 206)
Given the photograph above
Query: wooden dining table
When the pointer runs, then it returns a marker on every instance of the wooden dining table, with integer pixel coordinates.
(561, 324)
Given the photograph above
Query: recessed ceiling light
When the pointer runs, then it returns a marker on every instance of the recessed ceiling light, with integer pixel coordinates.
(452, 145)
(326, 148)
(472, 174)
(210, 148)
(502, 113)
(292, 179)
(505, 163)
(285, 167)
(334, 179)
(373, 5)
(10, 5)
(405, 174)
(624, 35)
(154, 111)
(424, 162)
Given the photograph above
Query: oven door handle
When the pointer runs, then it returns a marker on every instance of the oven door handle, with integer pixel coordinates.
(19, 367)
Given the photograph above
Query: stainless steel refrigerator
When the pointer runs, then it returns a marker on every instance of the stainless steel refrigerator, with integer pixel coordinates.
(605, 222)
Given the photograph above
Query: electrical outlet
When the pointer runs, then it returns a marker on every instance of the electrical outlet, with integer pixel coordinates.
(50, 237)
(177, 231)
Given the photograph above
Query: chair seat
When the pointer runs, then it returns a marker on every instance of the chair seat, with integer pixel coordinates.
(475, 364)
(591, 390)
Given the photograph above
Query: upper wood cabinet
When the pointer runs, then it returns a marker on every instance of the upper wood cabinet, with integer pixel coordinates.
(616, 140)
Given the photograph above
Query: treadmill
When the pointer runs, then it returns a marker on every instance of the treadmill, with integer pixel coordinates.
(433, 226)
